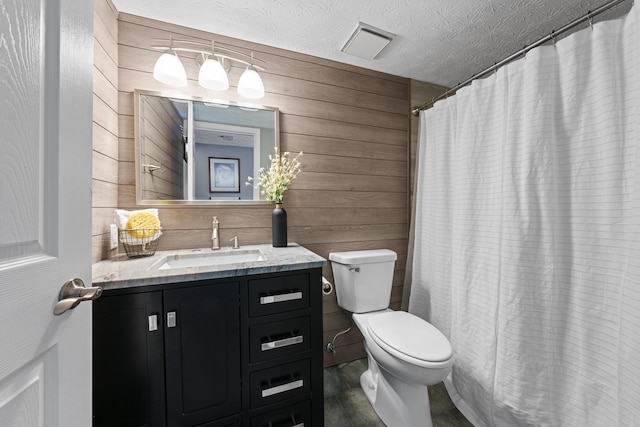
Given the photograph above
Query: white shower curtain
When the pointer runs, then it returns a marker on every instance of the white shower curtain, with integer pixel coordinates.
(527, 234)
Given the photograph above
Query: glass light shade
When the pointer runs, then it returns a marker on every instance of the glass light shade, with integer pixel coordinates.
(212, 75)
(169, 70)
(250, 84)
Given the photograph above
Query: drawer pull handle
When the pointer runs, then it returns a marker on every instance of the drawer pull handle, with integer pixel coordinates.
(282, 343)
(299, 425)
(280, 298)
(282, 388)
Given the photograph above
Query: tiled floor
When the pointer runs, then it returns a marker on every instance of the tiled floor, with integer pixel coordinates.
(345, 405)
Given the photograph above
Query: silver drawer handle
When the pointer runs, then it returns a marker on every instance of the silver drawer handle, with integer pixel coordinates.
(282, 343)
(282, 388)
(280, 298)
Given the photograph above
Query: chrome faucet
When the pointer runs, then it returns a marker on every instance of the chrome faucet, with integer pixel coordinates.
(235, 242)
(215, 234)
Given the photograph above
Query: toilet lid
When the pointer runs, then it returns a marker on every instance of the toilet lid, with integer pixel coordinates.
(409, 335)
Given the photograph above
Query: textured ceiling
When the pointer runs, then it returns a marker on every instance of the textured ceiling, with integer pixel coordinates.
(438, 41)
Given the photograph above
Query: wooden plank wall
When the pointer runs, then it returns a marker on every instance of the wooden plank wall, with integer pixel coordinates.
(162, 137)
(105, 125)
(352, 125)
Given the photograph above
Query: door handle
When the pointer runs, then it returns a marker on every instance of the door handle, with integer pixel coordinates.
(73, 293)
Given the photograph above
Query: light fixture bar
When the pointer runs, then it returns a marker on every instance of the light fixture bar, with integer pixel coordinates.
(212, 75)
(208, 49)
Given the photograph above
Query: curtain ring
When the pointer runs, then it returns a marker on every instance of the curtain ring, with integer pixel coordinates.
(590, 19)
(553, 38)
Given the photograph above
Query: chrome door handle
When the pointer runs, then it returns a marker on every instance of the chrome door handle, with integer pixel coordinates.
(73, 293)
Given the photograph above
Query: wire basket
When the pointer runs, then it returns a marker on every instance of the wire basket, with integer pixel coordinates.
(139, 242)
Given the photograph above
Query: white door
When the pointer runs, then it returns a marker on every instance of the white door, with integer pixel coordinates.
(46, 55)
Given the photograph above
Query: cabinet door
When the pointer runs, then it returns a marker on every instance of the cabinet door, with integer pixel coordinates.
(202, 350)
(128, 360)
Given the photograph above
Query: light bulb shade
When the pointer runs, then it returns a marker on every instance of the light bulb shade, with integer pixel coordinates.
(169, 70)
(250, 84)
(212, 75)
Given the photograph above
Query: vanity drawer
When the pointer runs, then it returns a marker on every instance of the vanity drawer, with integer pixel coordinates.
(276, 339)
(280, 383)
(293, 416)
(278, 294)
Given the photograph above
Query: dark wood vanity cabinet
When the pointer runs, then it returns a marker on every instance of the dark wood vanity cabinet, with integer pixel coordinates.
(245, 351)
(202, 367)
(128, 361)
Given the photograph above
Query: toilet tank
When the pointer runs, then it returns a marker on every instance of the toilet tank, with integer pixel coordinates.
(363, 279)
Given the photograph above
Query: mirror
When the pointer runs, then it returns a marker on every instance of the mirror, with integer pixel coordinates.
(200, 151)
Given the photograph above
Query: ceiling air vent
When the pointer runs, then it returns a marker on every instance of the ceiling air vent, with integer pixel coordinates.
(367, 41)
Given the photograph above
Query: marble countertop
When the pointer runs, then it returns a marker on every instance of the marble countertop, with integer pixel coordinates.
(122, 272)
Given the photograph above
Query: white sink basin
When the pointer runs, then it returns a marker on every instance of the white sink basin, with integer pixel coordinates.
(208, 258)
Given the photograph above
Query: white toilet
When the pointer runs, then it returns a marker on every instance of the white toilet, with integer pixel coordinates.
(405, 353)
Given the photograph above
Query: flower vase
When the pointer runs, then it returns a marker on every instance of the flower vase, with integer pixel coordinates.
(279, 227)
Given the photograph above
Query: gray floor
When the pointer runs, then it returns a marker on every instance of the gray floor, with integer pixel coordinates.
(345, 405)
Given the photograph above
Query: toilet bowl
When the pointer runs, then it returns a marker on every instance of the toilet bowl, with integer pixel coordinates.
(405, 353)
(398, 375)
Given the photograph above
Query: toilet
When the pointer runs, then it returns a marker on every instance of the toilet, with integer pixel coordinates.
(405, 353)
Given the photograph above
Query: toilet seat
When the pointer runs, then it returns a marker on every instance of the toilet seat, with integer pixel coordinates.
(409, 338)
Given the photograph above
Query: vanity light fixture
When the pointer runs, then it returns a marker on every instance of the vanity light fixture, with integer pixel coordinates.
(169, 70)
(214, 62)
(212, 75)
(250, 84)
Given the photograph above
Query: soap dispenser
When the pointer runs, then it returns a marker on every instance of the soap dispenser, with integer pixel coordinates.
(215, 236)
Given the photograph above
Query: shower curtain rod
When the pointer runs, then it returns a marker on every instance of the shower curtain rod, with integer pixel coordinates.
(588, 17)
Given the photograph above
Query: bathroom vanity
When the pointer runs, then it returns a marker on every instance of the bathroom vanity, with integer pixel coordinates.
(209, 338)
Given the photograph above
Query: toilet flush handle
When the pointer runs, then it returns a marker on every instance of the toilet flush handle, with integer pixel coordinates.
(355, 269)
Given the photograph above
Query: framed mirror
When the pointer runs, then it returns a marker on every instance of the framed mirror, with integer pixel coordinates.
(192, 150)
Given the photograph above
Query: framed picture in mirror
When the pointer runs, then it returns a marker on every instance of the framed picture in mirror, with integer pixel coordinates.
(224, 175)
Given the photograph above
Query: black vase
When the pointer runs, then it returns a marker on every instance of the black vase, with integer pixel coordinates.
(279, 227)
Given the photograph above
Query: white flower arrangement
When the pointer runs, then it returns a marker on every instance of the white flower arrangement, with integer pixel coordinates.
(275, 181)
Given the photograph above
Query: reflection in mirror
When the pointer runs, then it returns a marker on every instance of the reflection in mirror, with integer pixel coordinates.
(198, 151)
